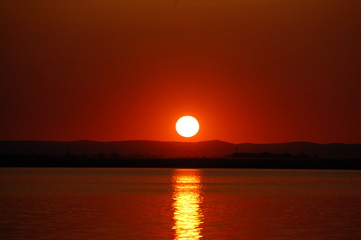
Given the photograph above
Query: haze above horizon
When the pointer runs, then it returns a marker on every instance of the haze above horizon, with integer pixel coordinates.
(248, 71)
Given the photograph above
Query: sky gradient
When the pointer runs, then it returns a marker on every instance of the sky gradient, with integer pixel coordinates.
(250, 71)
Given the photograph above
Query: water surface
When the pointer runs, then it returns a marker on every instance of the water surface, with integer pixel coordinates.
(44, 203)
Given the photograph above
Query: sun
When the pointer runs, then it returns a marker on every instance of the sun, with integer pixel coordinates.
(187, 126)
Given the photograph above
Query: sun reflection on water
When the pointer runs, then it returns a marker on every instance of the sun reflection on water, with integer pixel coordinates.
(187, 196)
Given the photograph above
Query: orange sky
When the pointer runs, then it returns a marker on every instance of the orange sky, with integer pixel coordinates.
(250, 71)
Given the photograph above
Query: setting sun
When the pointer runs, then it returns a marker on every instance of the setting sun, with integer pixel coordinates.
(187, 126)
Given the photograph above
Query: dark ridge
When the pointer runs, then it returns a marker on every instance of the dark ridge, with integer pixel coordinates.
(207, 154)
(162, 149)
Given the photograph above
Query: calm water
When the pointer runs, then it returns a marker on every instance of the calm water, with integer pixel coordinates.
(179, 204)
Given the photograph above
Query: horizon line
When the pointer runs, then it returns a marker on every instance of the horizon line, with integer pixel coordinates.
(172, 141)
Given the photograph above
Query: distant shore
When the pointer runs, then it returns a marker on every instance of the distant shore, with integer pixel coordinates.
(258, 163)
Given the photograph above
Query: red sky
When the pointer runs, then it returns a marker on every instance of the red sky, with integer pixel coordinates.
(250, 71)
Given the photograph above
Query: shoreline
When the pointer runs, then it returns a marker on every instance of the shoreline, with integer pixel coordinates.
(259, 163)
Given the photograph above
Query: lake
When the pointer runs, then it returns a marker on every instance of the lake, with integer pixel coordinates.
(119, 203)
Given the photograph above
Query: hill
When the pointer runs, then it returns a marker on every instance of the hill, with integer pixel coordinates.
(159, 149)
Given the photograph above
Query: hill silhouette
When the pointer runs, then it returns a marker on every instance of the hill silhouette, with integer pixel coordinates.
(329, 151)
(160, 149)
(154, 149)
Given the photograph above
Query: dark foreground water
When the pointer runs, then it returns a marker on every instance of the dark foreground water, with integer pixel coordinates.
(43, 203)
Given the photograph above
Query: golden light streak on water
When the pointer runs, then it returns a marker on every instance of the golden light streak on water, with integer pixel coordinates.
(187, 196)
